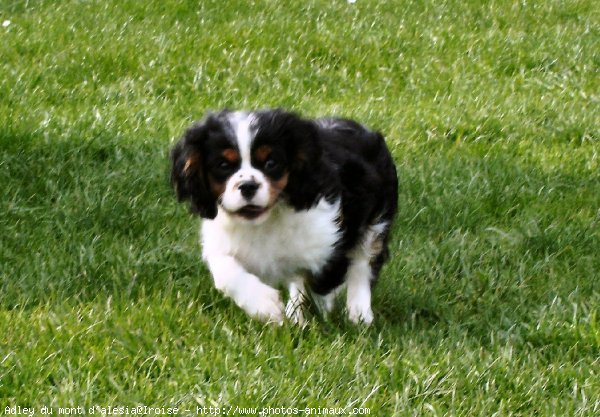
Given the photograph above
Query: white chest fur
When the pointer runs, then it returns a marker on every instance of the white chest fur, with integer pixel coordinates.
(287, 243)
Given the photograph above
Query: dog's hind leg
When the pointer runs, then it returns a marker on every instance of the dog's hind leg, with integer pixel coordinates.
(358, 301)
(365, 263)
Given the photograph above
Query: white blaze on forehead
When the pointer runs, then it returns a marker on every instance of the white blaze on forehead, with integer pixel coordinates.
(232, 199)
(241, 123)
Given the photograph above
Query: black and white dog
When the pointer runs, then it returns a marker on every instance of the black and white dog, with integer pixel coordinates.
(286, 201)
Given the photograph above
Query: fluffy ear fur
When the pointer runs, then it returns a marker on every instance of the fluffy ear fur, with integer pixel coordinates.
(303, 152)
(187, 172)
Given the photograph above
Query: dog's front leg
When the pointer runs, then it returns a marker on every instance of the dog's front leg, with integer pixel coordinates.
(256, 298)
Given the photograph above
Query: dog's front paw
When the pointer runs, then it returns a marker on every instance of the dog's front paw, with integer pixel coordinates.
(360, 315)
(264, 303)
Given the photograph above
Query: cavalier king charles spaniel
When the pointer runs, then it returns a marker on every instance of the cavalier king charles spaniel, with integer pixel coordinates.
(289, 202)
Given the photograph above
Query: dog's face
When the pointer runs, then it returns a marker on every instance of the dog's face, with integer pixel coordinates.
(245, 174)
(242, 163)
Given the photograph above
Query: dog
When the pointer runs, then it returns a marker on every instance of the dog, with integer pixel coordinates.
(289, 202)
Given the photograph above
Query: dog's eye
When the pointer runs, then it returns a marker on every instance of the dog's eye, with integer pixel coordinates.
(271, 164)
(225, 165)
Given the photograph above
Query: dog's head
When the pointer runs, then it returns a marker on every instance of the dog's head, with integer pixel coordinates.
(243, 163)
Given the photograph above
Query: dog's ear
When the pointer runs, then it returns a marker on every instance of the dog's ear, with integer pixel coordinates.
(188, 175)
(303, 151)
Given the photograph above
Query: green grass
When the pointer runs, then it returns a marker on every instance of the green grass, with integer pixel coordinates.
(489, 305)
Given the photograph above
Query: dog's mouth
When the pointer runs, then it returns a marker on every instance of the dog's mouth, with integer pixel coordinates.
(251, 211)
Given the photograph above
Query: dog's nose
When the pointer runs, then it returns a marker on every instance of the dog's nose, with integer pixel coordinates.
(248, 189)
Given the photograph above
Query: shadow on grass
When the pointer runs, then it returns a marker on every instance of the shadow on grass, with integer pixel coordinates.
(83, 217)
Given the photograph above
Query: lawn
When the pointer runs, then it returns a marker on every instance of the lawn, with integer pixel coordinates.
(490, 302)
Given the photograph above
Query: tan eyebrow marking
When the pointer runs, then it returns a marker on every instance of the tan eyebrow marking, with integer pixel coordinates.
(231, 155)
(262, 153)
